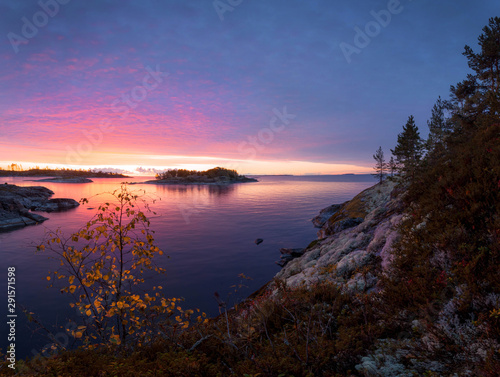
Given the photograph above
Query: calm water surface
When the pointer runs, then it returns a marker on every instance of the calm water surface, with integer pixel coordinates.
(206, 232)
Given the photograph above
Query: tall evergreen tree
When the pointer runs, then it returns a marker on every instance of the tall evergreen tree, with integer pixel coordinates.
(438, 125)
(379, 164)
(486, 64)
(408, 150)
(479, 93)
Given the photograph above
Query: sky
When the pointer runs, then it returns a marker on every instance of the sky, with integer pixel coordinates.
(261, 86)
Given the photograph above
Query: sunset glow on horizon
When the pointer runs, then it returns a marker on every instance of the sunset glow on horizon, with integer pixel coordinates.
(162, 163)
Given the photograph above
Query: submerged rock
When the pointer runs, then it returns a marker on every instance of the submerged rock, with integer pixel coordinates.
(53, 205)
(258, 241)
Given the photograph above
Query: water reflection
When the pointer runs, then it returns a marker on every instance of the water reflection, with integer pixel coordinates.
(217, 190)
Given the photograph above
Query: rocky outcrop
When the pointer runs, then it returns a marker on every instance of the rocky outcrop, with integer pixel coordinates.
(17, 202)
(289, 254)
(354, 212)
(55, 205)
(325, 214)
(354, 242)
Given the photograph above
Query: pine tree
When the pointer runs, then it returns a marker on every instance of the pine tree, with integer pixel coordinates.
(486, 64)
(478, 94)
(408, 150)
(391, 166)
(438, 125)
(379, 164)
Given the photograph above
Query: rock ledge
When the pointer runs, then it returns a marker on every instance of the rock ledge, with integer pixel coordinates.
(16, 204)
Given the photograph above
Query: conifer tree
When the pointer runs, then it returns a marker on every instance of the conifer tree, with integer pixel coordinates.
(391, 166)
(379, 164)
(408, 150)
(478, 94)
(438, 125)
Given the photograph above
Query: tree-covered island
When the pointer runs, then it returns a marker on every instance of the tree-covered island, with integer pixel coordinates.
(216, 175)
(16, 170)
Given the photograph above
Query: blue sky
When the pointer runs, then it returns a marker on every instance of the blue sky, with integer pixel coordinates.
(261, 86)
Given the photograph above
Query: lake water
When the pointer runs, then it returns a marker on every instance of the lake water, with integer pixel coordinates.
(206, 232)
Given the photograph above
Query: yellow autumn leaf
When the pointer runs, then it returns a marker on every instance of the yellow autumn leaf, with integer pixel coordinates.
(88, 312)
(78, 334)
(115, 339)
(72, 288)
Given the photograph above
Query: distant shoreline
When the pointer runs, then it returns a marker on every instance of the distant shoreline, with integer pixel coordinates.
(9, 174)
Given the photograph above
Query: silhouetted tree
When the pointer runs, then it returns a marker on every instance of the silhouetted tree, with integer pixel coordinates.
(379, 164)
(391, 166)
(478, 94)
(408, 150)
(439, 126)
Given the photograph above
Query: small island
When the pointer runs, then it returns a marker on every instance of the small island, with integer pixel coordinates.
(215, 176)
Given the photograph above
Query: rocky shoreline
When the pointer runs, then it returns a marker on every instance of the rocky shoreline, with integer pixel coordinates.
(354, 236)
(16, 204)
